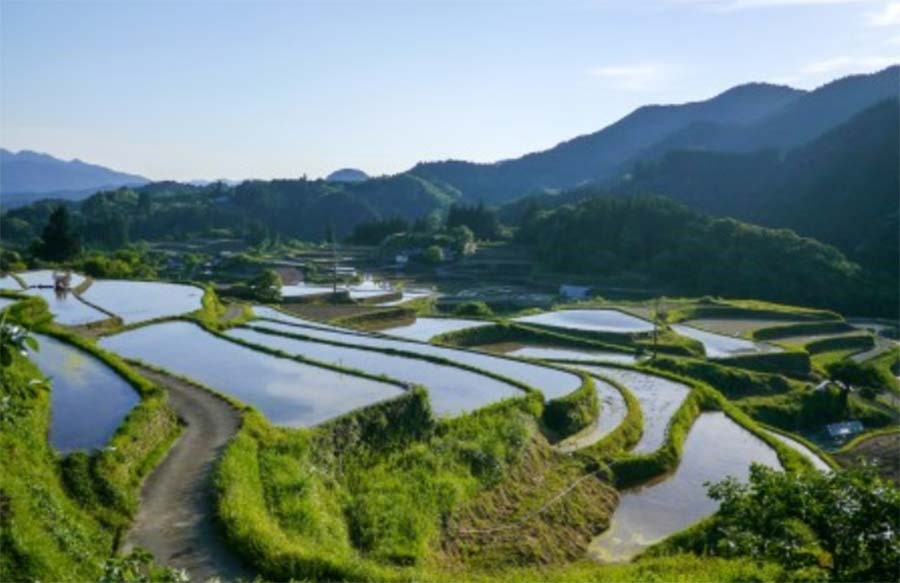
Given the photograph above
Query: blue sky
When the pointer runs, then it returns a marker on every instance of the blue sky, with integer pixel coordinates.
(236, 89)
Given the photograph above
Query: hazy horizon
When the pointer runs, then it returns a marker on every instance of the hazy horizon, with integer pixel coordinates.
(208, 90)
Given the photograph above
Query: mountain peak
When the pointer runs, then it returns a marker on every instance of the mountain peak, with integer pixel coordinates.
(28, 171)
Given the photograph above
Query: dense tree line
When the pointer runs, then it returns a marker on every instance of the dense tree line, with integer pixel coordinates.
(695, 254)
(258, 211)
(482, 221)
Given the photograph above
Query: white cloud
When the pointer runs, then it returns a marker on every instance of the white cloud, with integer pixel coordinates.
(847, 65)
(635, 77)
(888, 15)
(833, 68)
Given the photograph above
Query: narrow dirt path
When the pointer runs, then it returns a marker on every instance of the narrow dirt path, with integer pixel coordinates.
(177, 521)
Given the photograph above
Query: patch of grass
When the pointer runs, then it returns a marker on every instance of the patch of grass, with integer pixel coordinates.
(298, 505)
(857, 342)
(108, 483)
(510, 332)
(732, 382)
(802, 329)
(681, 568)
(806, 409)
(571, 413)
(44, 534)
(791, 362)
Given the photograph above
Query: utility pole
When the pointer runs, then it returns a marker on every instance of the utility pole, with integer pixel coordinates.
(334, 262)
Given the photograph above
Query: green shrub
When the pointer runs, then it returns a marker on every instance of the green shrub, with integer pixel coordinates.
(473, 309)
(571, 413)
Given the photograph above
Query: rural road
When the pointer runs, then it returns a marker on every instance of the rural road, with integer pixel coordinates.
(177, 521)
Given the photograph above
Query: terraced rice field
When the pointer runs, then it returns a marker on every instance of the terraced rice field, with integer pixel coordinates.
(424, 329)
(406, 297)
(612, 412)
(451, 390)
(138, 301)
(716, 447)
(288, 392)
(590, 321)
(659, 399)
(66, 308)
(738, 326)
(549, 353)
(720, 345)
(8, 282)
(553, 383)
(88, 401)
(279, 316)
(809, 454)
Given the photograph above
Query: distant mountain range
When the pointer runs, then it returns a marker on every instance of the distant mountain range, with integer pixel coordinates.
(742, 119)
(27, 176)
(823, 163)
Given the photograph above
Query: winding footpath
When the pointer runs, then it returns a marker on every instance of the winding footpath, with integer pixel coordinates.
(177, 519)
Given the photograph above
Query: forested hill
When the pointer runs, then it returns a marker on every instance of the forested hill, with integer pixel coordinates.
(745, 118)
(661, 243)
(255, 209)
(843, 188)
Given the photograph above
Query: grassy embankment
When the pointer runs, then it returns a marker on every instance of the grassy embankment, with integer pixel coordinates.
(482, 495)
(84, 501)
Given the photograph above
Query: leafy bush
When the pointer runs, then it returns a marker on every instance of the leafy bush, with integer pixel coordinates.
(473, 309)
(571, 413)
(839, 526)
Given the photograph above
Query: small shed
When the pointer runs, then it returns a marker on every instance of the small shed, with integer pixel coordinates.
(844, 429)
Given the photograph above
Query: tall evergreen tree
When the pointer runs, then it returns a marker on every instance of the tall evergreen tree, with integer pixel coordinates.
(59, 241)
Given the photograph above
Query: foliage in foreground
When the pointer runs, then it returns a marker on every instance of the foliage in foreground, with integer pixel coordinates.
(841, 526)
(44, 534)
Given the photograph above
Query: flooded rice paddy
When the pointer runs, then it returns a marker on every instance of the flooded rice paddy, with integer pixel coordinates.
(659, 399)
(88, 400)
(721, 346)
(590, 321)
(612, 412)
(553, 383)
(809, 454)
(8, 282)
(424, 329)
(66, 308)
(138, 301)
(289, 393)
(716, 447)
(551, 353)
(451, 390)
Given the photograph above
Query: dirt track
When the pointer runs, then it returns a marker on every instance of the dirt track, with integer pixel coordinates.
(177, 520)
